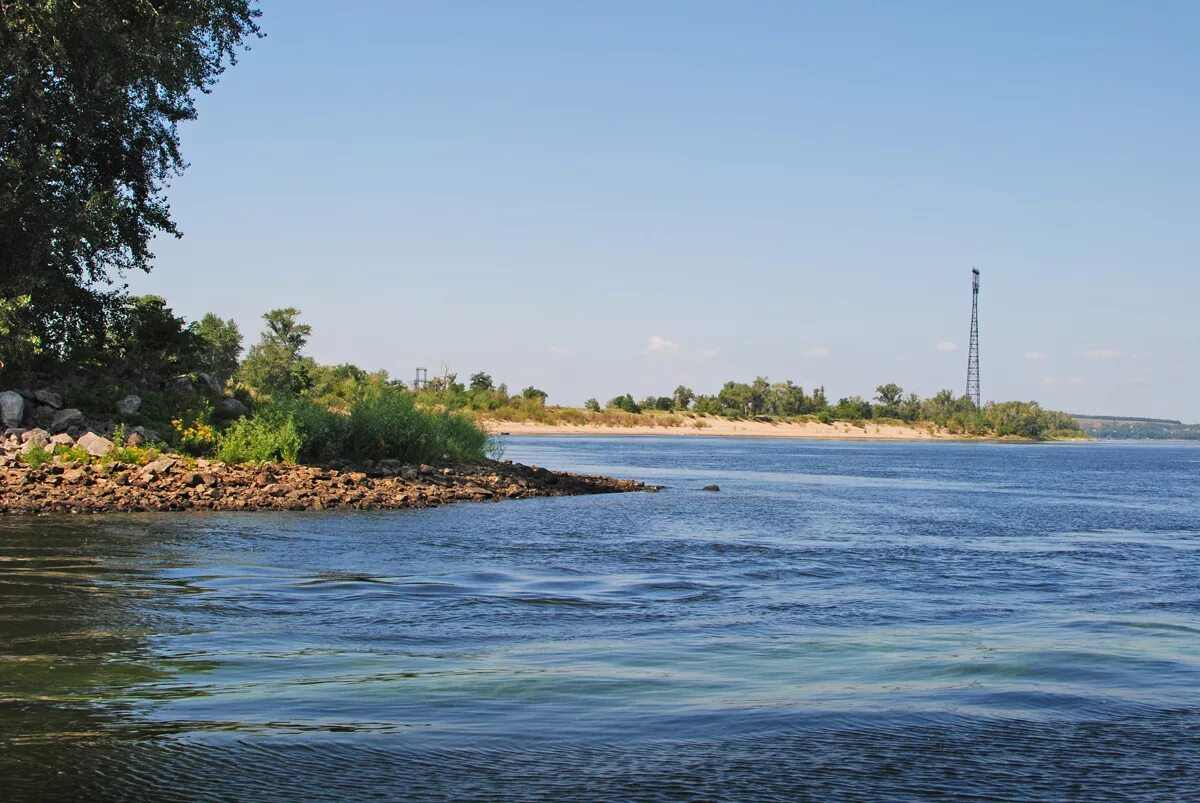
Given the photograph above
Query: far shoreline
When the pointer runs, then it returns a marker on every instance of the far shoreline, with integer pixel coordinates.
(724, 428)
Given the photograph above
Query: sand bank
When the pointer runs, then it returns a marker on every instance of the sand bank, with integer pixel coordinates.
(726, 428)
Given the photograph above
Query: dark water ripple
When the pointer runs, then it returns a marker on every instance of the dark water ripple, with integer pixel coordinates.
(841, 621)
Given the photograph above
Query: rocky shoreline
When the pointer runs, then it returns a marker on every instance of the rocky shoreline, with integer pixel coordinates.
(173, 484)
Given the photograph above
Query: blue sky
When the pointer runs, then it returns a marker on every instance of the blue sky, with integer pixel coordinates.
(609, 197)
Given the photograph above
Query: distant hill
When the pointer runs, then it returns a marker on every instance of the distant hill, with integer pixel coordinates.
(1130, 428)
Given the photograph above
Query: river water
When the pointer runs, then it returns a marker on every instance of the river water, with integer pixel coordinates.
(877, 621)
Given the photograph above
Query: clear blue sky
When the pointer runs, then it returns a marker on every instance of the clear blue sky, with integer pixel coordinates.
(609, 197)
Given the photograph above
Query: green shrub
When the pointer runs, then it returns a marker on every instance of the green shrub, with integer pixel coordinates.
(133, 455)
(260, 440)
(73, 454)
(323, 432)
(388, 424)
(36, 457)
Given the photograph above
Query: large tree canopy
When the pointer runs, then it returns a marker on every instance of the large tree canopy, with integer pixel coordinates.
(91, 95)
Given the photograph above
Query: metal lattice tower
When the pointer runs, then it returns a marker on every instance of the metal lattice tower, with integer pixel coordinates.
(973, 353)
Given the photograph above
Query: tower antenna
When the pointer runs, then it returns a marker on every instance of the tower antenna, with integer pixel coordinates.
(973, 352)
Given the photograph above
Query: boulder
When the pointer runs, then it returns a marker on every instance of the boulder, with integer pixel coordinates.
(38, 441)
(182, 386)
(130, 405)
(135, 439)
(49, 398)
(149, 434)
(160, 466)
(95, 445)
(207, 383)
(43, 414)
(62, 439)
(229, 409)
(41, 436)
(711, 488)
(75, 476)
(66, 419)
(12, 408)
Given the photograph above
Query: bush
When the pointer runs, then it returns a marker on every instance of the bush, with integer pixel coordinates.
(36, 457)
(263, 439)
(389, 425)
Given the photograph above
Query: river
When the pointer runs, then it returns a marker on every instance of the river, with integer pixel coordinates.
(885, 621)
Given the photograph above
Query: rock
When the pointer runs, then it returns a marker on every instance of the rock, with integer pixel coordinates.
(426, 470)
(43, 414)
(75, 476)
(711, 488)
(66, 419)
(135, 439)
(229, 409)
(95, 445)
(49, 398)
(181, 385)
(447, 472)
(149, 434)
(62, 439)
(35, 443)
(12, 408)
(192, 480)
(208, 384)
(130, 405)
(159, 467)
(409, 473)
(39, 435)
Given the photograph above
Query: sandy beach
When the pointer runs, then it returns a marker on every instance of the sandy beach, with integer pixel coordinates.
(725, 428)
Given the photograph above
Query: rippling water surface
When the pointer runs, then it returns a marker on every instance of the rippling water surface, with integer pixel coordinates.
(875, 621)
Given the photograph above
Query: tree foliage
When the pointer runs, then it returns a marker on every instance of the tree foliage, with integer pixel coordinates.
(276, 366)
(218, 345)
(91, 96)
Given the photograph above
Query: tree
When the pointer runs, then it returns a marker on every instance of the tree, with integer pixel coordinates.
(534, 394)
(481, 382)
(889, 395)
(91, 96)
(592, 404)
(276, 365)
(683, 397)
(218, 346)
(785, 399)
(625, 403)
(819, 401)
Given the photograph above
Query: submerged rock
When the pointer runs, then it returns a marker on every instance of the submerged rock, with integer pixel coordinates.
(711, 488)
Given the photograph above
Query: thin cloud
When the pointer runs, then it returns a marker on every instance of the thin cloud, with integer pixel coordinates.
(660, 347)
(1054, 381)
(557, 350)
(947, 345)
(815, 351)
(1104, 354)
(707, 354)
(1035, 355)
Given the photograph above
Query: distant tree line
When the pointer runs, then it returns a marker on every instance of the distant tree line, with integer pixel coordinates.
(762, 398)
